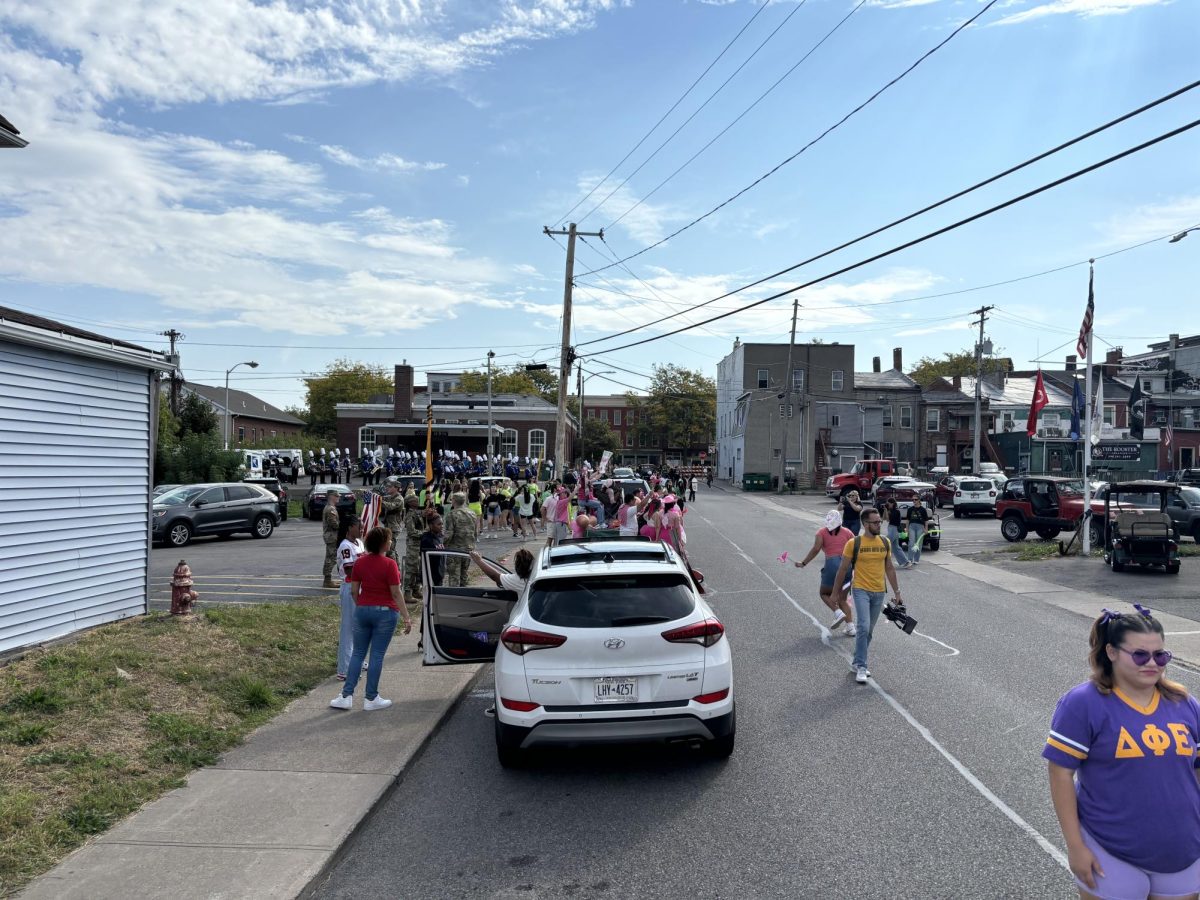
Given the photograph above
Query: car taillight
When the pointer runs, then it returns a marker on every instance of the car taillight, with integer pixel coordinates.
(521, 640)
(991, 493)
(519, 705)
(714, 697)
(958, 493)
(705, 633)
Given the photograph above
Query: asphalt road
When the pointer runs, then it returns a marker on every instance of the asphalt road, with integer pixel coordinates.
(241, 569)
(926, 783)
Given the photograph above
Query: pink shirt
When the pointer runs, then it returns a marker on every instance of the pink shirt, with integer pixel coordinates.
(835, 544)
(561, 510)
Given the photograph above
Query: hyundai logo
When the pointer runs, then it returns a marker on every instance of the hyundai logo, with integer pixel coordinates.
(614, 643)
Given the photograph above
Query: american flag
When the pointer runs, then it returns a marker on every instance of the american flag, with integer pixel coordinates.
(1085, 330)
(372, 507)
(1167, 435)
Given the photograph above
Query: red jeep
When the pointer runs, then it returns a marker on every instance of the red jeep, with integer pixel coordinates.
(864, 474)
(1047, 506)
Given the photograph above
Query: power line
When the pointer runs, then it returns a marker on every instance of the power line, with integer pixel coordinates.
(711, 96)
(663, 117)
(741, 115)
(923, 238)
(1045, 154)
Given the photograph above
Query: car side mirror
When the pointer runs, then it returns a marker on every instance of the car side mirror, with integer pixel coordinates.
(199, 503)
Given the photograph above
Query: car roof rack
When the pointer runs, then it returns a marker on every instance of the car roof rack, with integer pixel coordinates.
(582, 550)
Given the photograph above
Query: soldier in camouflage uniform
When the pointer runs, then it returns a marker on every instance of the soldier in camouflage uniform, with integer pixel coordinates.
(330, 525)
(461, 529)
(392, 516)
(414, 528)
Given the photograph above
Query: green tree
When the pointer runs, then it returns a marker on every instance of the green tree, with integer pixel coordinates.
(343, 381)
(197, 416)
(961, 362)
(516, 380)
(189, 446)
(679, 410)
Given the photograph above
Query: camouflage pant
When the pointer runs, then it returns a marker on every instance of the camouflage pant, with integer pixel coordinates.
(330, 560)
(456, 568)
(412, 570)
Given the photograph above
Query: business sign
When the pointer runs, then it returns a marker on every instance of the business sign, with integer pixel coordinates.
(1117, 451)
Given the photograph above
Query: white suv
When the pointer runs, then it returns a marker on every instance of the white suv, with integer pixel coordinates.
(610, 642)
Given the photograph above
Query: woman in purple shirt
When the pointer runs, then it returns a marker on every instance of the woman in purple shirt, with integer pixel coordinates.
(1122, 756)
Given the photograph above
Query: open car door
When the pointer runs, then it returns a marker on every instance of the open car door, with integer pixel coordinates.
(461, 624)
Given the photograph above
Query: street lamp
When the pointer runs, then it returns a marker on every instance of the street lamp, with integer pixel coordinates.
(582, 381)
(252, 364)
(1179, 237)
(491, 355)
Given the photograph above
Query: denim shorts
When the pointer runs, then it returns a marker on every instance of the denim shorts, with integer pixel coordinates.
(1122, 879)
(829, 570)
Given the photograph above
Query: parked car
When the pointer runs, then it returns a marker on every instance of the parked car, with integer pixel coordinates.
(314, 504)
(1140, 530)
(944, 492)
(860, 478)
(221, 509)
(608, 643)
(992, 472)
(623, 472)
(276, 487)
(975, 495)
(1185, 476)
(1046, 505)
(163, 488)
(1184, 510)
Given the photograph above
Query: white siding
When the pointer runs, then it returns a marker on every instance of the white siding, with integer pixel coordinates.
(74, 492)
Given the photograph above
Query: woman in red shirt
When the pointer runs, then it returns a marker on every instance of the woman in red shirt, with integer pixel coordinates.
(832, 539)
(375, 587)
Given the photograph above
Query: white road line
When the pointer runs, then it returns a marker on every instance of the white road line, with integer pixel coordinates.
(1181, 632)
(970, 777)
(953, 651)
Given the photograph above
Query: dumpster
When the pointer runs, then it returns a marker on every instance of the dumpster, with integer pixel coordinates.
(756, 481)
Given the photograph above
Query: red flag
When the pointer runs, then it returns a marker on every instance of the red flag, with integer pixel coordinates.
(1040, 399)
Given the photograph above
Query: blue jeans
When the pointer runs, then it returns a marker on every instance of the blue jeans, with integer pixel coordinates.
(596, 508)
(894, 540)
(854, 527)
(373, 630)
(867, 607)
(346, 631)
(916, 532)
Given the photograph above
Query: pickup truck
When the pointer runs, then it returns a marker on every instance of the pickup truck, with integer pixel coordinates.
(861, 478)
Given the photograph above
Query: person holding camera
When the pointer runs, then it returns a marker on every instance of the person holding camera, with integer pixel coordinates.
(832, 539)
(871, 558)
(1122, 759)
(851, 508)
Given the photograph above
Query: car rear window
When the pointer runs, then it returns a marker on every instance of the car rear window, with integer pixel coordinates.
(611, 601)
(975, 486)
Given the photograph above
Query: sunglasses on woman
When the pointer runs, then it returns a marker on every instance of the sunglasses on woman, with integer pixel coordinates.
(1141, 657)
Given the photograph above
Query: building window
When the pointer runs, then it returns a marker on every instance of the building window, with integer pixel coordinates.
(604, 414)
(366, 440)
(629, 439)
(764, 378)
(616, 417)
(1110, 415)
(1160, 417)
(835, 421)
(887, 415)
(241, 434)
(777, 452)
(798, 380)
(641, 440)
(1146, 385)
(508, 442)
(906, 417)
(839, 378)
(889, 450)
(537, 443)
(591, 414)
(1050, 420)
(272, 432)
(933, 420)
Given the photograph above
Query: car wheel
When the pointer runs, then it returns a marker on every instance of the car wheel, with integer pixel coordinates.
(1096, 533)
(1173, 568)
(263, 527)
(957, 514)
(1048, 534)
(179, 534)
(1116, 566)
(1013, 529)
(931, 546)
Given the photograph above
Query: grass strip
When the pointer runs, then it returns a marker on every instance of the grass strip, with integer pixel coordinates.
(93, 729)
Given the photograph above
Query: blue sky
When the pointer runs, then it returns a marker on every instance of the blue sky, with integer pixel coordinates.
(294, 183)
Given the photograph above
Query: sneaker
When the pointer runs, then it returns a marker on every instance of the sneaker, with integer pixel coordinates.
(341, 702)
(851, 630)
(341, 676)
(365, 664)
(377, 703)
(860, 676)
(837, 621)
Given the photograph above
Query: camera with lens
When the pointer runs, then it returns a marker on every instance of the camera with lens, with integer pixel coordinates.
(897, 614)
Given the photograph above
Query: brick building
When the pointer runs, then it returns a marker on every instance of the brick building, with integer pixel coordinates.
(251, 420)
(522, 425)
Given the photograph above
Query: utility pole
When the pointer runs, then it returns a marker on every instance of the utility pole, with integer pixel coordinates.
(568, 352)
(982, 313)
(787, 398)
(491, 354)
(579, 391)
(176, 377)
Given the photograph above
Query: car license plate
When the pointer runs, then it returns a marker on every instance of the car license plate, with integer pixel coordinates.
(616, 690)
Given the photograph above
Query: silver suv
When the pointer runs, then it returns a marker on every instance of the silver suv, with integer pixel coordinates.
(199, 509)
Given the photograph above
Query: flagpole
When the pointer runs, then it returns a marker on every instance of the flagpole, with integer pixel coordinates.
(1087, 438)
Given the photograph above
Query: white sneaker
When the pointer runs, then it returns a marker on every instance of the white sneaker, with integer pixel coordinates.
(340, 702)
(365, 664)
(837, 621)
(377, 703)
(851, 630)
(862, 675)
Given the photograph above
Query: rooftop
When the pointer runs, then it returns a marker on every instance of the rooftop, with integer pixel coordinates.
(242, 403)
(891, 380)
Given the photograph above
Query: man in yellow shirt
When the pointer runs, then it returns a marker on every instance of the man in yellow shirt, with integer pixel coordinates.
(871, 558)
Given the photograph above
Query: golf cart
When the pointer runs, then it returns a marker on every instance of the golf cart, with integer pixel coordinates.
(1139, 529)
(931, 540)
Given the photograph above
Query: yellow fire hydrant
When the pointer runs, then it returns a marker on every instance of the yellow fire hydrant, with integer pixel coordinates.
(182, 595)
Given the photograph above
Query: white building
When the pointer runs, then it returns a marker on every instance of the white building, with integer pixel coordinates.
(78, 421)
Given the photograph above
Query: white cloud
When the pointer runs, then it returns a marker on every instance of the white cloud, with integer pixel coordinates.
(1152, 220)
(1081, 8)
(385, 162)
(899, 4)
(645, 224)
